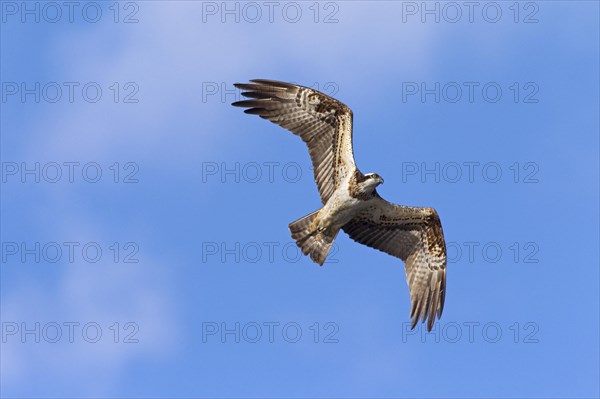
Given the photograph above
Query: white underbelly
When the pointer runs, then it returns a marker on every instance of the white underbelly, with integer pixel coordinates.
(339, 210)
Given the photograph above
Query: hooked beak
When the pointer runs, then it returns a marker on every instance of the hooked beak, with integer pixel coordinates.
(380, 180)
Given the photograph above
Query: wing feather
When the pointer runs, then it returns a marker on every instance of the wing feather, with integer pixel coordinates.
(414, 235)
(323, 123)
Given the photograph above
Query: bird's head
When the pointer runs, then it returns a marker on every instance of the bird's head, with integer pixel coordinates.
(372, 180)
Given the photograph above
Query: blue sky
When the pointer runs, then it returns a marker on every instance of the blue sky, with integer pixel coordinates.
(147, 248)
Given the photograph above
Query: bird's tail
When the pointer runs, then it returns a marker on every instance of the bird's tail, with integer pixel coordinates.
(313, 242)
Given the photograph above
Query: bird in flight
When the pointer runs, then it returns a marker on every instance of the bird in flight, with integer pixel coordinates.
(350, 199)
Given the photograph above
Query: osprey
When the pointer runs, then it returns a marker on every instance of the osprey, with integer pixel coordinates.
(350, 199)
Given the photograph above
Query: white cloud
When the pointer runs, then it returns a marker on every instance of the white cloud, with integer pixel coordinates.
(102, 293)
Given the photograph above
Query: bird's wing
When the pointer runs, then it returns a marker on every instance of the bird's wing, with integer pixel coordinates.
(414, 235)
(323, 123)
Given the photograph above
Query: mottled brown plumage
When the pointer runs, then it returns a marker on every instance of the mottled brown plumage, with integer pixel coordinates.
(321, 121)
(414, 235)
(349, 197)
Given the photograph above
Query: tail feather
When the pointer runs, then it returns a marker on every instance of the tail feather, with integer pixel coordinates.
(317, 244)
